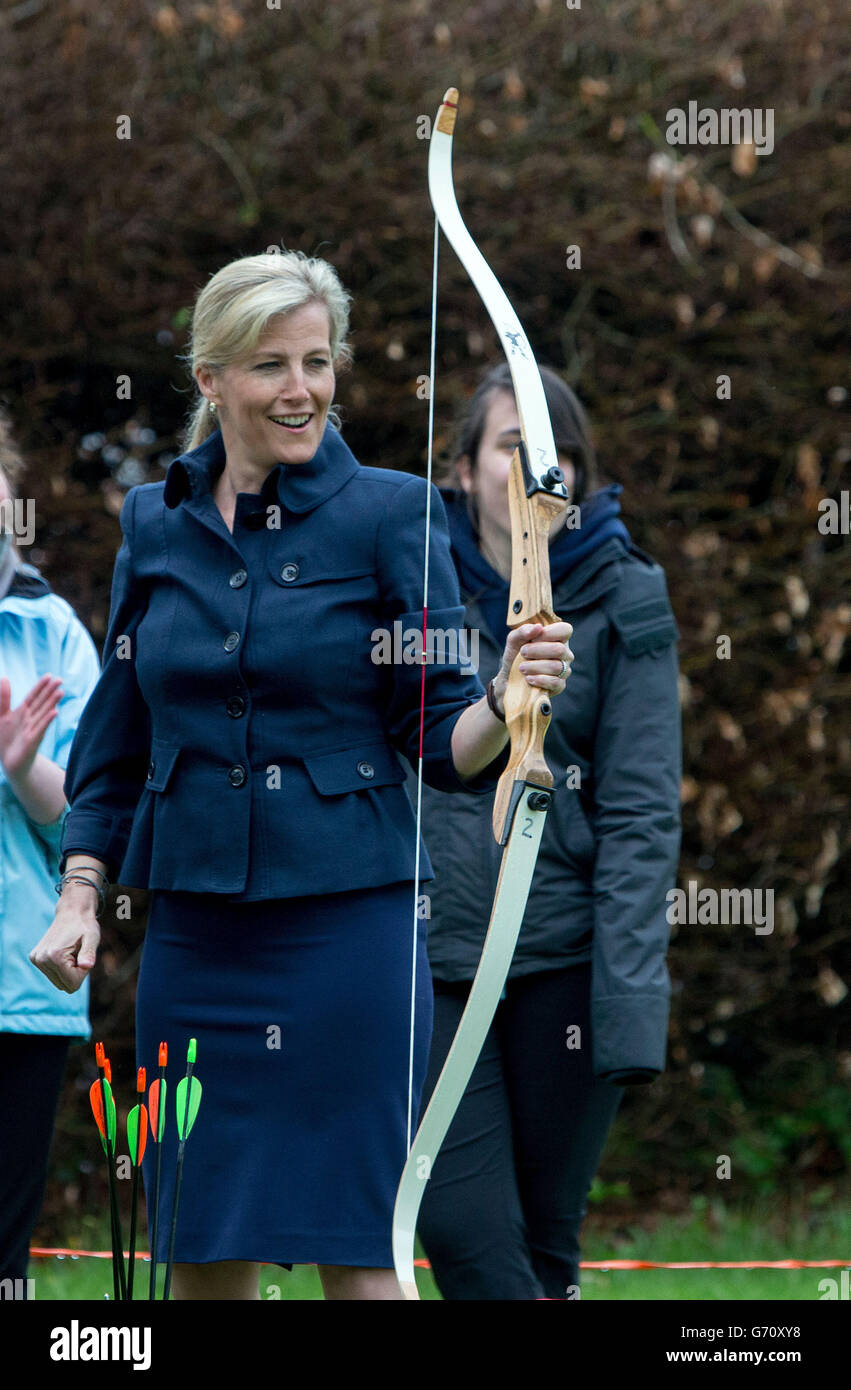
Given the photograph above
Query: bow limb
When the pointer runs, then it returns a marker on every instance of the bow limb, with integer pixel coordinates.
(537, 496)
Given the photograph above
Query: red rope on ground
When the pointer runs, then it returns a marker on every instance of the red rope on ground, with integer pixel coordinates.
(41, 1252)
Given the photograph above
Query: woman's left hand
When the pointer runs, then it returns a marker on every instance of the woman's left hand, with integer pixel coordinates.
(545, 658)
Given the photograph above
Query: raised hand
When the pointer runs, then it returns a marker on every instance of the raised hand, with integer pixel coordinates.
(23, 728)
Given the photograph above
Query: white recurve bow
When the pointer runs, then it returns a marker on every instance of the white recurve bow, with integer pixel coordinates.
(537, 495)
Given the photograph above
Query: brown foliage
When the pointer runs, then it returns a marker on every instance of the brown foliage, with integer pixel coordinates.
(252, 126)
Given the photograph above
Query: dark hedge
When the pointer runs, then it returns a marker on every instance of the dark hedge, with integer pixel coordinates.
(254, 126)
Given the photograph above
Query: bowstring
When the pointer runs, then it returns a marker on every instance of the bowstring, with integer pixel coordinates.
(423, 654)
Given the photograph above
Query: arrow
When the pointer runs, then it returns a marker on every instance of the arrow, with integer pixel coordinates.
(187, 1101)
(156, 1108)
(110, 1154)
(103, 1104)
(137, 1137)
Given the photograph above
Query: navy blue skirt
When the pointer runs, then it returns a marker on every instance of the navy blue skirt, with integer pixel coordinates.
(301, 1011)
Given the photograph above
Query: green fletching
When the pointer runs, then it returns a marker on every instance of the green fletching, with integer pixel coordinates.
(186, 1117)
(133, 1131)
(110, 1115)
(135, 1140)
(161, 1111)
(190, 1056)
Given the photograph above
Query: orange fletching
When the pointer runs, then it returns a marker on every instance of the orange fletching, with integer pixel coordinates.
(154, 1106)
(96, 1099)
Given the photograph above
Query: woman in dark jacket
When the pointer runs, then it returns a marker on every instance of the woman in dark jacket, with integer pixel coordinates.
(585, 1008)
(238, 758)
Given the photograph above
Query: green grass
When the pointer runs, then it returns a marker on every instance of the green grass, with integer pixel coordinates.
(723, 1233)
(712, 1232)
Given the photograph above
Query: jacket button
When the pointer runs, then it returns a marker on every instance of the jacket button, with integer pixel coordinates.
(231, 642)
(289, 573)
(151, 770)
(235, 706)
(236, 776)
(238, 578)
(366, 770)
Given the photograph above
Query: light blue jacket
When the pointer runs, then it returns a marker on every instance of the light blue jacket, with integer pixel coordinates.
(40, 634)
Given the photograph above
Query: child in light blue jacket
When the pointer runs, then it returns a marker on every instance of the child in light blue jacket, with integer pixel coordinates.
(48, 668)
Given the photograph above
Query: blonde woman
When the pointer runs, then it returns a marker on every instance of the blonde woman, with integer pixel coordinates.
(239, 758)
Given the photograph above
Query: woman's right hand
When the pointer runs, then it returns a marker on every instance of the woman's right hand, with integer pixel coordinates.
(67, 951)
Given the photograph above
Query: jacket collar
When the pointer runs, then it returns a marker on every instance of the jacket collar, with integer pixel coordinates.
(26, 582)
(297, 486)
(594, 576)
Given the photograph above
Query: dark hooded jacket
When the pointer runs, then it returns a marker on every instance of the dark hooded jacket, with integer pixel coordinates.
(611, 840)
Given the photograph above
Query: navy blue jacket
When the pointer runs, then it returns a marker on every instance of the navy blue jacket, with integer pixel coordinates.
(242, 739)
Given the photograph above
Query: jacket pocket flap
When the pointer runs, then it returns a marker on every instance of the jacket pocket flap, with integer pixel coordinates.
(352, 769)
(646, 626)
(163, 758)
(294, 572)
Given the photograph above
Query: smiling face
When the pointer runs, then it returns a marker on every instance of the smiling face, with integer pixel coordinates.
(273, 403)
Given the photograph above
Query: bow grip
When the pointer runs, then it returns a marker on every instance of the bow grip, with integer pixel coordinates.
(528, 709)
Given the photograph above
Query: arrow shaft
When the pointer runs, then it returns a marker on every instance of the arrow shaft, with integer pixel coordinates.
(119, 1284)
(134, 1203)
(173, 1233)
(160, 1133)
(152, 1288)
(183, 1133)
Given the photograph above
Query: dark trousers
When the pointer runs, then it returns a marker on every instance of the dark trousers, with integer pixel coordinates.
(32, 1068)
(503, 1209)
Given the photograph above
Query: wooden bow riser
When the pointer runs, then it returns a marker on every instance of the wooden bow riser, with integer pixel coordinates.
(528, 709)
